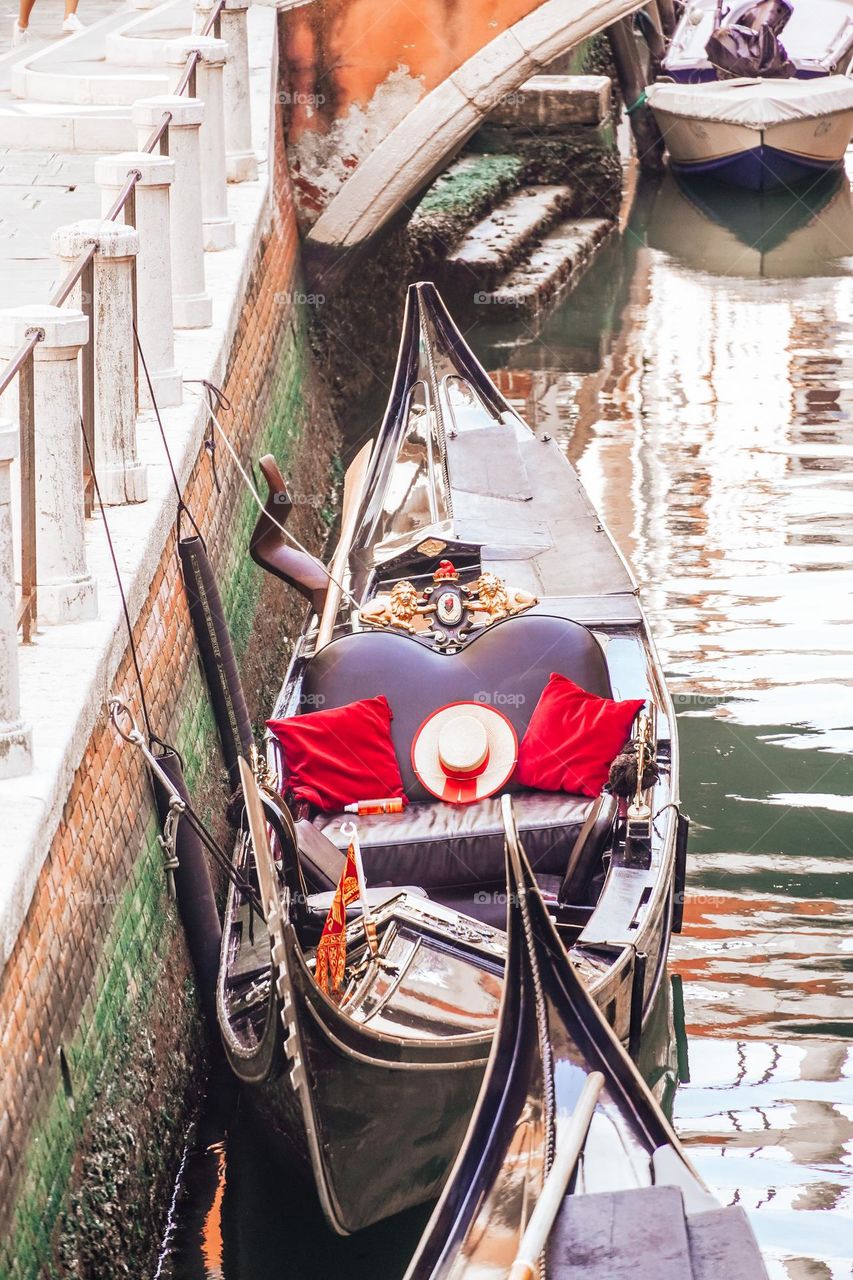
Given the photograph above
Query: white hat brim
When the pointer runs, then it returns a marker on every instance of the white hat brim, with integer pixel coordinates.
(503, 754)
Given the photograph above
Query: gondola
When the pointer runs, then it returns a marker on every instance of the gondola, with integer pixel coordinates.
(471, 569)
(569, 1170)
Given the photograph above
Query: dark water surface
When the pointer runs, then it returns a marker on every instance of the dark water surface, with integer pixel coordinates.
(701, 378)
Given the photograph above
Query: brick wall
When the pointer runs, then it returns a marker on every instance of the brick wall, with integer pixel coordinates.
(100, 1038)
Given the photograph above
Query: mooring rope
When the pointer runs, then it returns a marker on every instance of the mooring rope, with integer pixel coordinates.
(129, 732)
(134, 655)
(256, 497)
(182, 506)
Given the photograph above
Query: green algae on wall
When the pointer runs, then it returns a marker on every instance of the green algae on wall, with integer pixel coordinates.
(86, 1135)
(97, 1172)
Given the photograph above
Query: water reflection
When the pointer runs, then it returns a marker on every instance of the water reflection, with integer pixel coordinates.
(709, 413)
(725, 231)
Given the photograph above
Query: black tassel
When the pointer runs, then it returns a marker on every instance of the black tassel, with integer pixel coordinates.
(623, 774)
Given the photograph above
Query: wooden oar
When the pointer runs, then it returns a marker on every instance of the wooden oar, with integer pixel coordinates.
(267, 879)
(548, 1205)
(354, 482)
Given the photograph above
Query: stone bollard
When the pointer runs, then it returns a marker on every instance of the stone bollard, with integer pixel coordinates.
(218, 227)
(16, 751)
(153, 265)
(66, 592)
(241, 164)
(192, 306)
(121, 475)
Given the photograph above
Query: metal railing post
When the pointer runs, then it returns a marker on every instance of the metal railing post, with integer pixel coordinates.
(121, 476)
(29, 537)
(15, 735)
(52, 450)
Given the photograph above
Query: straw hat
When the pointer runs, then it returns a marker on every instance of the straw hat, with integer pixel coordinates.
(464, 752)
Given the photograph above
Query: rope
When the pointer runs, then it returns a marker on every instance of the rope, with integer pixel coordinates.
(124, 606)
(129, 732)
(259, 502)
(214, 395)
(183, 509)
(182, 808)
(635, 106)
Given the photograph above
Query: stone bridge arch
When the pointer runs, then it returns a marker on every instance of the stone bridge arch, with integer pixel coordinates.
(380, 94)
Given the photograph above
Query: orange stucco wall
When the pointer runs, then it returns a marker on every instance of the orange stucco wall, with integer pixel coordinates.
(338, 52)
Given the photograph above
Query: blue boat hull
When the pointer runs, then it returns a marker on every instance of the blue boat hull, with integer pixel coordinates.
(762, 168)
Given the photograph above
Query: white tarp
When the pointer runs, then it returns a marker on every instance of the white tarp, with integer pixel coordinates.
(754, 103)
(816, 37)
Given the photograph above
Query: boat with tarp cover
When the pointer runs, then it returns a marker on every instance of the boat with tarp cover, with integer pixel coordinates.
(756, 94)
(570, 1170)
(471, 580)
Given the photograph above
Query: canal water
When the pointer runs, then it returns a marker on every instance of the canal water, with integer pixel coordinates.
(701, 380)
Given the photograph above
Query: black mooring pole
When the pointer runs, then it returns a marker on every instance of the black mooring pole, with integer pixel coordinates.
(632, 82)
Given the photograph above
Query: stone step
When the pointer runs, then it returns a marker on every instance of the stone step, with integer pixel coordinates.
(504, 237)
(36, 126)
(553, 265)
(90, 82)
(554, 103)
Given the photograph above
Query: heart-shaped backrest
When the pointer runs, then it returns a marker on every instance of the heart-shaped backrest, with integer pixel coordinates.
(506, 667)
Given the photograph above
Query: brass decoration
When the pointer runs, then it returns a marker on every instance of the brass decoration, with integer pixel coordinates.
(431, 547)
(400, 609)
(491, 596)
(485, 601)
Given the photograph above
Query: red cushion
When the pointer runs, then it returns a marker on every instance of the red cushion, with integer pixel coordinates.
(573, 738)
(333, 758)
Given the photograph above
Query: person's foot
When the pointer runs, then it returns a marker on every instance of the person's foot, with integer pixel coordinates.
(72, 25)
(20, 35)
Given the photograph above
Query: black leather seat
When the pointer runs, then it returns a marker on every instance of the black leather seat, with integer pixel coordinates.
(443, 846)
(507, 667)
(457, 852)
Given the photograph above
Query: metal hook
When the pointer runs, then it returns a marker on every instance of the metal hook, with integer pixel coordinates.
(121, 711)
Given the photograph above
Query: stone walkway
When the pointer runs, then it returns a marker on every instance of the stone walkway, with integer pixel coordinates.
(39, 191)
(46, 19)
(45, 188)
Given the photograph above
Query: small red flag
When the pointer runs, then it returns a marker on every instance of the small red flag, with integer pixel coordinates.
(332, 947)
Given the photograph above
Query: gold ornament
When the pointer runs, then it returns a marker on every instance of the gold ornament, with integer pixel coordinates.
(491, 596)
(400, 608)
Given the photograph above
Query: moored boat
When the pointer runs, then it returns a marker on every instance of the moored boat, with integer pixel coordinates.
(817, 36)
(471, 581)
(569, 1170)
(756, 133)
(738, 104)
